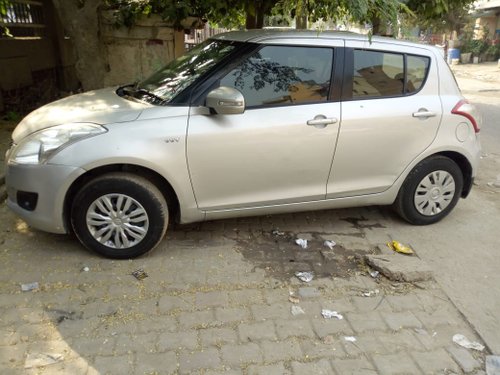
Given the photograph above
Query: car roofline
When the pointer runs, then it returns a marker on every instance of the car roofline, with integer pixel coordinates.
(265, 35)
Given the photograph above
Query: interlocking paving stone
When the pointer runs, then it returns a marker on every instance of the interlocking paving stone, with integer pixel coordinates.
(275, 369)
(400, 363)
(463, 357)
(331, 348)
(369, 321)
(320, 367)
(167, 303)
(241, 354)
(324, 327)
(218, 336)
(207, 307)
(211, 299)
(178, 340)
(294, 328)
(232, 314)
(153, 363)
(436, 361)
(397, 321)
(257, 331)
(205, 359)
(281, 350)
(358, 366)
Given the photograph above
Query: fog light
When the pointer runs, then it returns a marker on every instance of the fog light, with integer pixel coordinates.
(27, 200)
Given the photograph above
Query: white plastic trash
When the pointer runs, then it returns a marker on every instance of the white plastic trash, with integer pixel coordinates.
(301, 242)
(329, 314)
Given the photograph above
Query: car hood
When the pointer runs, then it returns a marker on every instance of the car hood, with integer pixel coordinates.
(99, 107)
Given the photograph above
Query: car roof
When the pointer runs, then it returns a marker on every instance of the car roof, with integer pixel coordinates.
(263, 35)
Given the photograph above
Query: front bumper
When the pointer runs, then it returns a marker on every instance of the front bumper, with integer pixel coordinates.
(49, 183)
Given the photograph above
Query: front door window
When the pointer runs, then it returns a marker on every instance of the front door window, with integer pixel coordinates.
(280, 75)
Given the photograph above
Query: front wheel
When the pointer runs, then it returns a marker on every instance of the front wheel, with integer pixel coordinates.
(119, 215)
(430, 191)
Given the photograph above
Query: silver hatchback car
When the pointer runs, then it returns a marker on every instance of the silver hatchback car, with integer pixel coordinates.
(249, 123)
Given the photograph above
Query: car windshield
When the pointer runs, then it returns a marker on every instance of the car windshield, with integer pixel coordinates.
(166, 83)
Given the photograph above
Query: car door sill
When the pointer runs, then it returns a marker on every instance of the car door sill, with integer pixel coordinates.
(384, 198)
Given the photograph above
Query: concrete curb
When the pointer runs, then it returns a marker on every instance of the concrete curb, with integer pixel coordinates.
(398, 267)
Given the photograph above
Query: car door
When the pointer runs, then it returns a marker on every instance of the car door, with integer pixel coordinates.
(391, 112)
(281, 148)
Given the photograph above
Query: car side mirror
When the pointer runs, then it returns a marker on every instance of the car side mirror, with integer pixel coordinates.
(225, 101)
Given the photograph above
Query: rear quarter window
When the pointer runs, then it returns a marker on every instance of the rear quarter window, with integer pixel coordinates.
(417, 69)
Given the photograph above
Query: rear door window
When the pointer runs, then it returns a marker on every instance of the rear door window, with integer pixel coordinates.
(385, 74)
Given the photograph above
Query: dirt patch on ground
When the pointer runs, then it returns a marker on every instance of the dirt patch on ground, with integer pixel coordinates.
(278, 254)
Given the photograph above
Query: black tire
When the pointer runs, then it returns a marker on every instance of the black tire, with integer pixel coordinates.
(140, 221)
(405, 203)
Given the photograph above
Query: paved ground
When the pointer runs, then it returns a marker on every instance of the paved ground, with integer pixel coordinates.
(209, 305)
(217, 298)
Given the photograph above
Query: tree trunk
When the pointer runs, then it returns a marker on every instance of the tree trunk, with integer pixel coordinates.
(301, 15)
(81, 22)
(259, 22)
(250, 22)
(255, 11)
(375, 25)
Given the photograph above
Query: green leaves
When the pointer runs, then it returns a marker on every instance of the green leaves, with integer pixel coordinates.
(232, 13)
(4, 8)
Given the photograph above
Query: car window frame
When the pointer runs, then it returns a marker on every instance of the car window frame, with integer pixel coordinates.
(200, 92)
(185, 97)
(349, 74)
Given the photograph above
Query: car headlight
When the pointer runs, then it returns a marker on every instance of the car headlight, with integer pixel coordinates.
(38, 147)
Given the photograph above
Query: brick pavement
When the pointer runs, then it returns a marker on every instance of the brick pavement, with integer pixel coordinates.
(217, 302)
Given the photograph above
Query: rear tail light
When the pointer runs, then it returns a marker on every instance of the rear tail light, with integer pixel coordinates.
(464, 108)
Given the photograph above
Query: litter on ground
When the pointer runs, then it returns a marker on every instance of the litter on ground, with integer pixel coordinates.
(297, 310)
(301, 242)
(400, 248)
(41, 359)
(140, 274)
(329, 314)
(304, 276)
(30, 286)
(329, 244)
(293, 299)
(374, 274)
(464, 341)
(370, 293)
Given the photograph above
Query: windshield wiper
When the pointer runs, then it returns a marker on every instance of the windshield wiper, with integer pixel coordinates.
(125, 89)
(156, 98)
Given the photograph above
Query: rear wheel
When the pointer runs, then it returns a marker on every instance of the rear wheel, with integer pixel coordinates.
(430, 191)
(119, 215)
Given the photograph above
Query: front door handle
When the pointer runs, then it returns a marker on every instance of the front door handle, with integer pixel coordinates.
(423, 113)
(321, 121)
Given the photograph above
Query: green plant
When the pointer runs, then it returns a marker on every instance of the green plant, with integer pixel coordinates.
(12, 116)
(493, 51)
(472, 44)
(4, 9)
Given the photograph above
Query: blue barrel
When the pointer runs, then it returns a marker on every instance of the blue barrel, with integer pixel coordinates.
(453, 53)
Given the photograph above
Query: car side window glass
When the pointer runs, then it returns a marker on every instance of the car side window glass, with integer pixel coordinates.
(417, 68)
(377, 74)
(283, 75)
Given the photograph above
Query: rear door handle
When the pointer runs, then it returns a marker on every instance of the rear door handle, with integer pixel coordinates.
(424, 114)
(321, 120)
